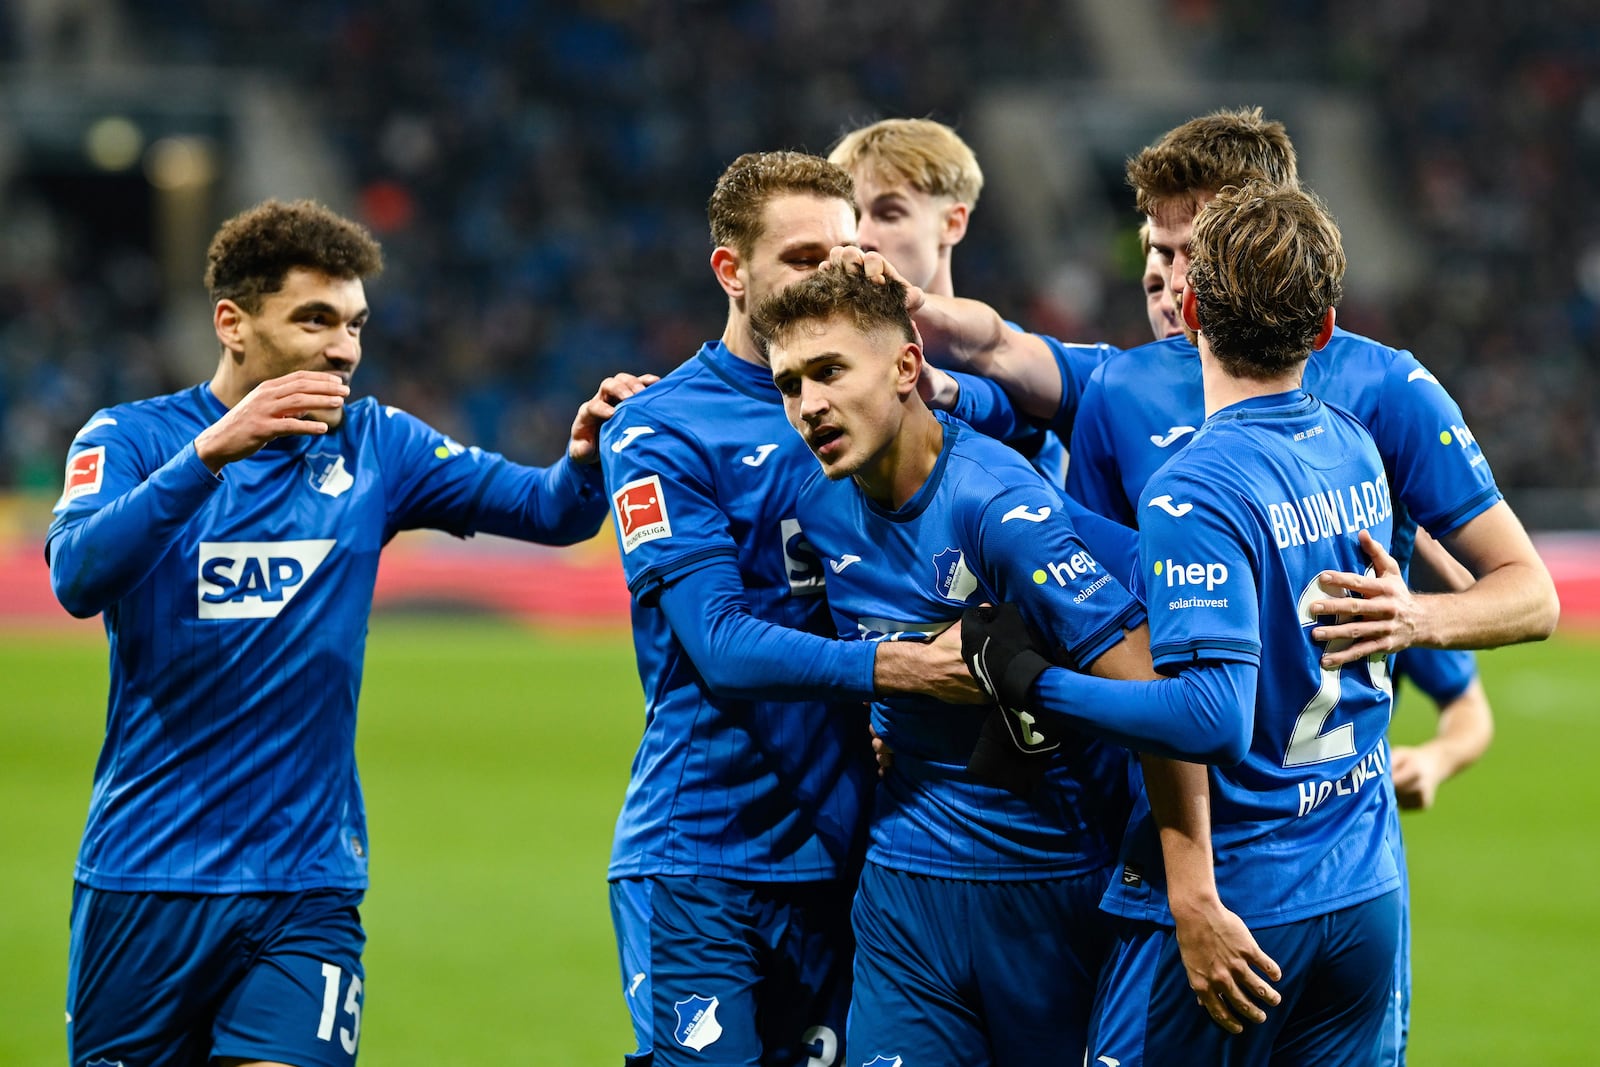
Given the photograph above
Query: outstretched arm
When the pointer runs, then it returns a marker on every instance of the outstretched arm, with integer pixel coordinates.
(1512, 600)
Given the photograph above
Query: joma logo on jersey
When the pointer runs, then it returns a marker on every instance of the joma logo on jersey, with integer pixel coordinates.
(255, 579)
(1079, 565)
(1209, 575)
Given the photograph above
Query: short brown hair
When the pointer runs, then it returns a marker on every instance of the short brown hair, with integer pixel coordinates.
(741, 195)
(253, 251)
(1206, 153)
(929, 156)
(1266, 264)
(827, 294)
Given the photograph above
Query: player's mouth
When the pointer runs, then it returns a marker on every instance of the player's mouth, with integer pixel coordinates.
(826, 441)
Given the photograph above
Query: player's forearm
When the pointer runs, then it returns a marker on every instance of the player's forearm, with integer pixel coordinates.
(1466, 727)
(561, 504)
(1180, 801)
(1204, 715)
(973, 337)
(741, 656)
(97, 560)
(1514, 603)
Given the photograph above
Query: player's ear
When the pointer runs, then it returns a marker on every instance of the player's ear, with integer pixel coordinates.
(228, 319)
(725, 265)
(1190, 311)
(908, 369)
(956, 217)
(1325, 334)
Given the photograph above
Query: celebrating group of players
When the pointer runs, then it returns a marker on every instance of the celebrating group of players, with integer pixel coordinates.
(813, 521)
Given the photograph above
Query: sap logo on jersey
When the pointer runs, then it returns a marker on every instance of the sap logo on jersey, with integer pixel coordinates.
(641, 509)
(800, 561)
(255, 579)
(697, 1022)
(1210, 575)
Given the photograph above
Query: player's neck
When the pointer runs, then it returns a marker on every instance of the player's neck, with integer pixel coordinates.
(228, 384)
(942, 283)
(1223, 389)
(738, 338)
(896, 474)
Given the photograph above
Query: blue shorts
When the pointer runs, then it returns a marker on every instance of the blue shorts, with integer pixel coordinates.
(175, 978)
(975, 973)
(1399, 1030)
(1337, 985)
(736, 973)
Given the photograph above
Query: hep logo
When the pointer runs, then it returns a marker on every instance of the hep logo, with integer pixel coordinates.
(1081, 565)
(255, 579)
(641, 509)
(1459, 435)
(1210, 575)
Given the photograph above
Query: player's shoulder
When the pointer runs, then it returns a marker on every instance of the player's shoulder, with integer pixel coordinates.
(171, 414)
(1154, 361)
(981, 468)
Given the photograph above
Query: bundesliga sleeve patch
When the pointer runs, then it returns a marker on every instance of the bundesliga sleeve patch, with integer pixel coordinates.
(85, 471)
(641, 510)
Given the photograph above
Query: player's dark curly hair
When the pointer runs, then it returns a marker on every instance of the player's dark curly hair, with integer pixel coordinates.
(253, 251)
(1209, 152)
(1267, 262)
(867, 305)
(741, 195)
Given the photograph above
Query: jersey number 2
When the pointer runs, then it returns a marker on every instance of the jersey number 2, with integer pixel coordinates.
(1308, 743)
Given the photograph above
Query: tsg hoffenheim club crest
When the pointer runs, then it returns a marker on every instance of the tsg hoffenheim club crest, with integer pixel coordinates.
(951, 577)
(327, 473)
(697, 1022)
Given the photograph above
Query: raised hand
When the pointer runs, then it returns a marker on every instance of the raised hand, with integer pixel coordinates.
(275, 408)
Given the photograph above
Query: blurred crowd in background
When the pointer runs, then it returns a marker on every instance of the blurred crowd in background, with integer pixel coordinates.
(537, 173)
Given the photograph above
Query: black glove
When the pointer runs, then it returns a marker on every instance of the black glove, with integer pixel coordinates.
(1001, 654)
(1010, 753)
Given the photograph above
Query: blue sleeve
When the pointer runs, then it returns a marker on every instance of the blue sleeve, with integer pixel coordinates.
(1198, 565)
(739, 655)
(1435, 465)
(1076, 364)
(1094, 478)
(432, 481)
(1442, 674)
(986, 407)
(1031, 555)
(103, 543)
(1116, 546)
(556, 505)
(1206, 714)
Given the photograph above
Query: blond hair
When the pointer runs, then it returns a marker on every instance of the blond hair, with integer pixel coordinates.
(929, 156)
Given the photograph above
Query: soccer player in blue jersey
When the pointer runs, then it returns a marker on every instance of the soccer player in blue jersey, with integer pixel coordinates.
(1449, 678)
(1276, 491)
(739, 842)
(917, 184)
(978, 938)
(229, 534)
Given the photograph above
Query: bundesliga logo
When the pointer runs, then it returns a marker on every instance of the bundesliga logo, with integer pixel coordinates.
(641, 510)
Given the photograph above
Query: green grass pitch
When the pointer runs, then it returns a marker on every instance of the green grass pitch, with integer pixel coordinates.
(494, 759)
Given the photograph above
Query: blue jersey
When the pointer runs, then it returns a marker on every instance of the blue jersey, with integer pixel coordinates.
(236, 609)
(1142, 406)
(984, 527)
(704, 470)
(1271, 492)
